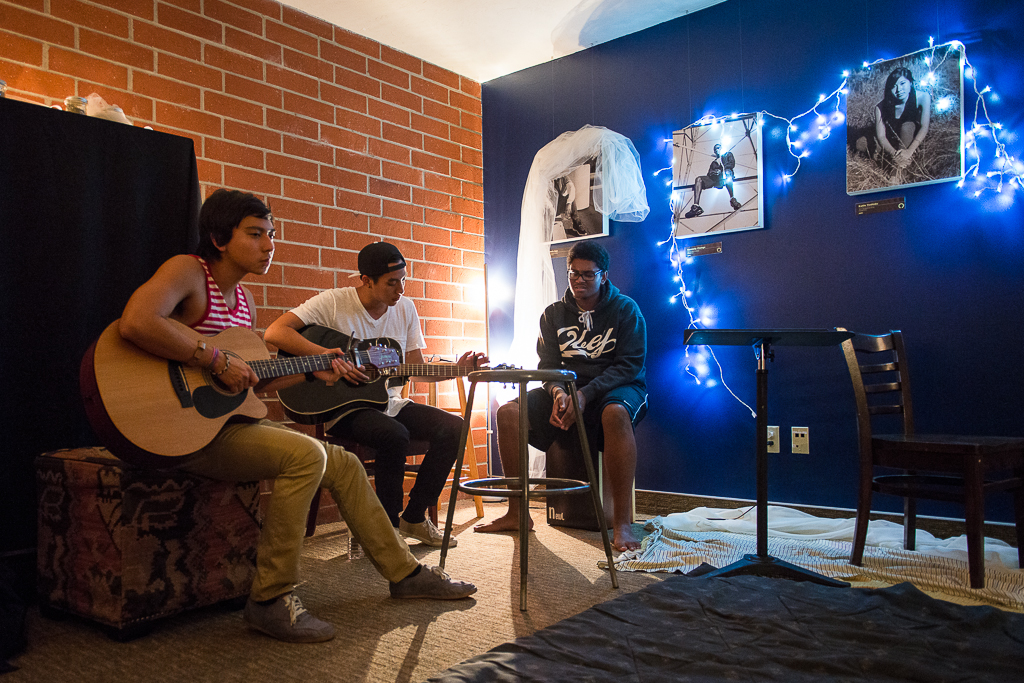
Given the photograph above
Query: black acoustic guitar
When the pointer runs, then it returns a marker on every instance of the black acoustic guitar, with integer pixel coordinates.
(315, 402)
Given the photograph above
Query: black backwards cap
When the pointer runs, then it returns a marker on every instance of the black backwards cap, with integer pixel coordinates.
(380, 258)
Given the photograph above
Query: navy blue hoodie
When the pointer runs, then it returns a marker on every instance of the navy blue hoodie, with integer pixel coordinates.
(605, 352)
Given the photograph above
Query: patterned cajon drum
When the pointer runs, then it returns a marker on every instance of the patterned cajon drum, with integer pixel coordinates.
(124, 545)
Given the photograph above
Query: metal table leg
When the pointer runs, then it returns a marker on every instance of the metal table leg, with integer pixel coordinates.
(519, 487)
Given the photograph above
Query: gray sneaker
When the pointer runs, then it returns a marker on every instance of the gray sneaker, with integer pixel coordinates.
(425, 532)
(432, 583)
(286, 619)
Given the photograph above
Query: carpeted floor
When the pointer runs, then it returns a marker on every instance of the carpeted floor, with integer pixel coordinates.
(379, 639)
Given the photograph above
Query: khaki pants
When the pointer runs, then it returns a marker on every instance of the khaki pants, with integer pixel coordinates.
(299, 464)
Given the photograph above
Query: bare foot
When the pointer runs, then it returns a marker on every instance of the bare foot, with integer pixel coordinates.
(507, 522)
(624, 539)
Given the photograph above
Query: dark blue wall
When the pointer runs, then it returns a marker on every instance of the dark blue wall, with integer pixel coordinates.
(948, 270)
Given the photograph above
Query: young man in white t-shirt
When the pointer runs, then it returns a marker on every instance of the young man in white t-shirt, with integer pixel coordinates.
(376, 308)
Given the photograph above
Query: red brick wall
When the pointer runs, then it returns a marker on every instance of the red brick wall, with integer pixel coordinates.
(349, 140)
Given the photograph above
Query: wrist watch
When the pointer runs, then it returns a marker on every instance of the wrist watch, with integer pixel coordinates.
(200, 349)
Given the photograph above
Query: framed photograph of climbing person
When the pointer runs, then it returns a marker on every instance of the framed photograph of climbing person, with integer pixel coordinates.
(904, 121)
(575, 214)
(717, 176)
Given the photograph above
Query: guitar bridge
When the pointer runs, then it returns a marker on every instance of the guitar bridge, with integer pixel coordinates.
(179, 384)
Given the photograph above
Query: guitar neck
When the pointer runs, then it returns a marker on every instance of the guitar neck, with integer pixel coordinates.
(292, 365)
(428, 370)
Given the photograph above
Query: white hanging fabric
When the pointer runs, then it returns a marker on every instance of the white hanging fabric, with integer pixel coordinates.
(619, 193)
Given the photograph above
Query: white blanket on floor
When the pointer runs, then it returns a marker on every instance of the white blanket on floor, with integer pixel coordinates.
(785, 522)
(683, 541)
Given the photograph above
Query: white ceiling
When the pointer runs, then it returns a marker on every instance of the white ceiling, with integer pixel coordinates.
(485, 39)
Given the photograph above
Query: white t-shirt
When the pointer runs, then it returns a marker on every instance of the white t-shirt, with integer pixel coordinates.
(340, 309)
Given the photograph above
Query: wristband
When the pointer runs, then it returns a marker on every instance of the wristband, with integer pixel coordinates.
(227, 364)
(216, 352)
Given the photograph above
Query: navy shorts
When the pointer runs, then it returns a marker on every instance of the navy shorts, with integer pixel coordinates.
(543, 433)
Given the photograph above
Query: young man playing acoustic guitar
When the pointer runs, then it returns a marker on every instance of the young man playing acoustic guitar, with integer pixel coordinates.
(168, 316)
(373, 310)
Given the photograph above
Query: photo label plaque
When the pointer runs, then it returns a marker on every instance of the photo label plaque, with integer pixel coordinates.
(704, 249)
(881, 206)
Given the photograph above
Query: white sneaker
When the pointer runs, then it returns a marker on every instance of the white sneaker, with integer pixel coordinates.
(425, 532)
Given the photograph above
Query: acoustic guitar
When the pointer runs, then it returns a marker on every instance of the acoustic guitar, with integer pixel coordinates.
(315, 402)
(152, 411)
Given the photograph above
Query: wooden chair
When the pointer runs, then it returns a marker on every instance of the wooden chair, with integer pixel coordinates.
(416, 448)
(933, 466)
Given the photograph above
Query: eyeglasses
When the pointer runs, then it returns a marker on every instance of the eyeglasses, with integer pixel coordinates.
(585, 275)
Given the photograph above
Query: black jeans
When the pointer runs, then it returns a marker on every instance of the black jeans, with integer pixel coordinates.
(389, 437)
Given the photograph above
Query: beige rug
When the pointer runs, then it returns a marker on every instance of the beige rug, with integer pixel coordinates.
(379, 639)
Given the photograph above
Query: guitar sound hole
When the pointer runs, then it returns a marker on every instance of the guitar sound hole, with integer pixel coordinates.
(218, 386)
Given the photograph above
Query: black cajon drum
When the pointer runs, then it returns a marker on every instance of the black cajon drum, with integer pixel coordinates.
(574, 511)
(577, 511)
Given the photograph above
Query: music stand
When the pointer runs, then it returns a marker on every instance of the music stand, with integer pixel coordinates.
(763, 564)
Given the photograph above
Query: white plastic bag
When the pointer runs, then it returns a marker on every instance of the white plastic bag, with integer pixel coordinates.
(619, 193)
(98, 108)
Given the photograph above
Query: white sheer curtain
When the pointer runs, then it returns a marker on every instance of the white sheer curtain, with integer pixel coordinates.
(619, 193)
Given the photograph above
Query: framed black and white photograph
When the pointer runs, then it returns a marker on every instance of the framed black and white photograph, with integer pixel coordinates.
(904, 121)
(575, 214)
(717, 177)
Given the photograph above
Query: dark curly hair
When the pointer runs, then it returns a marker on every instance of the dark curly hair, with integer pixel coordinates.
(221, 213)
(589, 250)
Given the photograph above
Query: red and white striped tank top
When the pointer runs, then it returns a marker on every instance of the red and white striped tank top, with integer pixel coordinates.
(218, 317)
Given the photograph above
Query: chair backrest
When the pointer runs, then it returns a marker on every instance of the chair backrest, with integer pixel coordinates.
(881, 381)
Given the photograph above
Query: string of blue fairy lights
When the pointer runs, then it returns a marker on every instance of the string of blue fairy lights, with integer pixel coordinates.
(984, 142)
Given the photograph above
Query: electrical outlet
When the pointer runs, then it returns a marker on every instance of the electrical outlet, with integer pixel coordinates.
(773, 438)
(801, 440)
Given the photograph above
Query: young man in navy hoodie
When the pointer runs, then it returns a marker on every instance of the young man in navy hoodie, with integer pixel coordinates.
(598, 333)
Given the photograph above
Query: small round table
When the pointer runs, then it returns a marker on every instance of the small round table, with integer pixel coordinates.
(519, 487)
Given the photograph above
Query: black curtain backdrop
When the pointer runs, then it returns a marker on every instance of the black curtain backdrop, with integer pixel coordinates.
(89, 209)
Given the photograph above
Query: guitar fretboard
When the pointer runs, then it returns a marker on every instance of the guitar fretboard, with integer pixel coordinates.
(293, 365)
(427, 370)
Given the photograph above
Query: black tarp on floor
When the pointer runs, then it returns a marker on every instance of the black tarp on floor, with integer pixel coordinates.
(755, 629)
